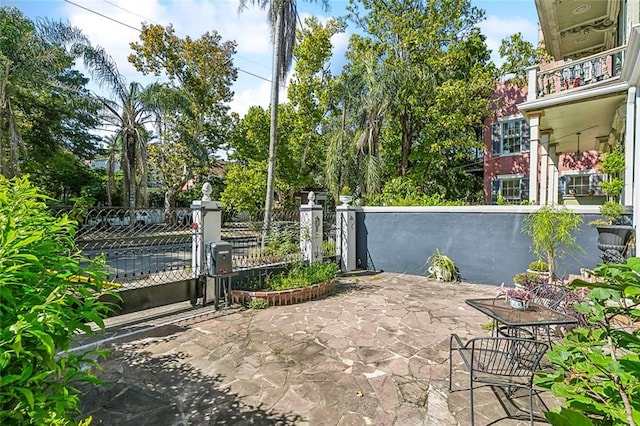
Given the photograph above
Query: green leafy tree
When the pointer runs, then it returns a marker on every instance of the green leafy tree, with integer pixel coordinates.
(427, 90)
(44, 105)
(597, 367)
(191, 108)
(48, 294)
(283, 16)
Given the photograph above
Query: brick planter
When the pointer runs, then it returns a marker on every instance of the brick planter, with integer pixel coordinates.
(285, 297)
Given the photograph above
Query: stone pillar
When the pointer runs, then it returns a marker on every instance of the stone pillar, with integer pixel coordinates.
(311, 230)
(207, 226)
(346, 236)
(534, 132)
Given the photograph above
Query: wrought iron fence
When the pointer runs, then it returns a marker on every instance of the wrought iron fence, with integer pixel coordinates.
(147, 247)
(329, 233)
(141, 247)
(252, 248)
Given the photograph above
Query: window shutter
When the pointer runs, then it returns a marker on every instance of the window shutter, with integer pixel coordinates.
(594, 182)
(525, 135)
(495, 190)
(495, 139)
(524, 189)
(562, 185)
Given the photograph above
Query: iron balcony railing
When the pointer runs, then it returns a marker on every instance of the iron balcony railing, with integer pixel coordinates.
(589, 71)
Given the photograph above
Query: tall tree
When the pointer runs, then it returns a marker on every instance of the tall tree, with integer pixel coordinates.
(433, 69)
(44, 105)
(283, 16)
(191, 107)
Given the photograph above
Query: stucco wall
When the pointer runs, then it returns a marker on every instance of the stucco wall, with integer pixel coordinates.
(485, 242)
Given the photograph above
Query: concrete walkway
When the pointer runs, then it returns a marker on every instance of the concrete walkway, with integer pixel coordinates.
(375, 352)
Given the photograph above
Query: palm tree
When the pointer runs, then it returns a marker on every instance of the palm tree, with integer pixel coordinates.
(127, 115)
(283, 16)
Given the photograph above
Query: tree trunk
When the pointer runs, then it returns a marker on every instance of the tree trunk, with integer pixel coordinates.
(405, 124)
(170, 205)
(273, 131)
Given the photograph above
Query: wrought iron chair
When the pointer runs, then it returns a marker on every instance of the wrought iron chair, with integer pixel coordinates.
(505, 362)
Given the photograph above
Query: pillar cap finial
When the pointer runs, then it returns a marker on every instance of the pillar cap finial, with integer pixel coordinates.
(206, 191)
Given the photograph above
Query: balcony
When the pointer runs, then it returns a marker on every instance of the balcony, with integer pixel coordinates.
(591, 71)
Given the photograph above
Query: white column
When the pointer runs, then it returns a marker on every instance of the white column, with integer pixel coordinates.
(629, 152)
(534, 132)
(311, 231)
(544, 169)
(532, 81)
(206, 225)
(633, 164)
(553, 174)
(346, 236)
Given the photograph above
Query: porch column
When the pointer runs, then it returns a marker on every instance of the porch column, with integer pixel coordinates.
(544, 170)
(632, 160)
(311, 230)
(553, 174)
(534, 134)
(629, 152)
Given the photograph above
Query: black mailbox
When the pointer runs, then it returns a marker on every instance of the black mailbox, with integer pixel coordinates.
(218, 258)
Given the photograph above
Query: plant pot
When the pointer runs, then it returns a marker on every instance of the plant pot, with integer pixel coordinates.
(613, 237)
(345, 199)
(518, 304)
(441, 273)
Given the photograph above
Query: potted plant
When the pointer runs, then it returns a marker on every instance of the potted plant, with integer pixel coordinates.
(442, 267)
(345, 196)
(614, 232)
(552, 230)
(539, 267)
(517, 298)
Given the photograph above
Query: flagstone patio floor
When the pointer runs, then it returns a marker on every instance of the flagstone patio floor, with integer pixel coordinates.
(375, 352)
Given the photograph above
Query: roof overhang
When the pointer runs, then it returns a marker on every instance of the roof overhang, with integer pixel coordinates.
(574, 29)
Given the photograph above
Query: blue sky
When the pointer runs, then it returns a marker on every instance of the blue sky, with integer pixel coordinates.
(250, 29)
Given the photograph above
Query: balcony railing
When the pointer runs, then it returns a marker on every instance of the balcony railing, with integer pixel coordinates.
(585, 72)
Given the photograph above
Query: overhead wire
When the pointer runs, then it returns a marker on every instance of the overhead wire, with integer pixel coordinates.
(139, 30)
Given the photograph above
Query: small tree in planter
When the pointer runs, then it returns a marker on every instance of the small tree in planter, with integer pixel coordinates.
(615, 232)
(552, 230)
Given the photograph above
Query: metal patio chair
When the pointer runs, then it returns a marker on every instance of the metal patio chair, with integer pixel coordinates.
(549, 295)
(506, 362)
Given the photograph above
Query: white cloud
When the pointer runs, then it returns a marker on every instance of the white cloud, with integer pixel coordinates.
(257, 95)
(496, 29)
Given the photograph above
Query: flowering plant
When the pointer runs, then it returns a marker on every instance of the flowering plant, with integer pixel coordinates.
(345, 190)
(515, 293)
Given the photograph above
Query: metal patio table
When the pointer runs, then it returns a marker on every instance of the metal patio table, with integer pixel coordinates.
(534, 316)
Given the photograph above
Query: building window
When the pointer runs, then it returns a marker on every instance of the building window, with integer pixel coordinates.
(511, 189)
(584, 183)
(510, 136)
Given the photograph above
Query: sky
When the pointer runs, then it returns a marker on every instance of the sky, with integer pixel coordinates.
(112, 24)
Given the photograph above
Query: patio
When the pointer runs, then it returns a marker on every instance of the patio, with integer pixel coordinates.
(375, 352)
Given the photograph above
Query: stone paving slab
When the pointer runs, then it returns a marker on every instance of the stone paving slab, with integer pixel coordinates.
(373, 353)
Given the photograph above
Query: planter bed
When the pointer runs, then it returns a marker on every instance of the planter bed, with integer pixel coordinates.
(285, 297)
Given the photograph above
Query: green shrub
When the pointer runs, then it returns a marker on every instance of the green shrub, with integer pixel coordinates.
(539, 266)
(597, 366)
(303, 276)
(258, 304)
(46, 297)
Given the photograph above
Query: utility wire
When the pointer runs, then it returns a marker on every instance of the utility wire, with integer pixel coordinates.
(139, 30)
